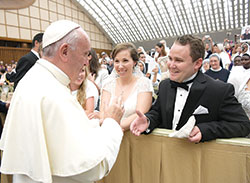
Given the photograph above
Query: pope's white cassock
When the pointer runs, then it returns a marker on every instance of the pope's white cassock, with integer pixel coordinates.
(47, 136)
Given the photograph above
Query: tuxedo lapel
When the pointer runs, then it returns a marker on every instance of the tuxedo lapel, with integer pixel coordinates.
(170, 101)
(196, 90)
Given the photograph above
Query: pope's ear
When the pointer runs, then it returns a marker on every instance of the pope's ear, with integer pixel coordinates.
(64, 52)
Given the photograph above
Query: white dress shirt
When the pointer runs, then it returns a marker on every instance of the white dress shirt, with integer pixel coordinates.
(180, 101)
(37, 54)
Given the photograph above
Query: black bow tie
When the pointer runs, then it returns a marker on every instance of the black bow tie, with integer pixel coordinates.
(184, 85)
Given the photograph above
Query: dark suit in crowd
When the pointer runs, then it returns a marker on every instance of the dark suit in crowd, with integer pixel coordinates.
(28, 60)
(23, 65)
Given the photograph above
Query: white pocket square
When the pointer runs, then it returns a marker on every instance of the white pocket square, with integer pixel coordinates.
(185, 130)
(201, 110)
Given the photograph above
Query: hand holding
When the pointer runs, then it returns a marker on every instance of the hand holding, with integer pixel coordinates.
(140, 124)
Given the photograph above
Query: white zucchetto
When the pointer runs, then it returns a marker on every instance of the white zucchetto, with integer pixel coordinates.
(57, 30)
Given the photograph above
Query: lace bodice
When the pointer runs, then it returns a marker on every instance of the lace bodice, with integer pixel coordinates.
(244, 99)
(143, 84)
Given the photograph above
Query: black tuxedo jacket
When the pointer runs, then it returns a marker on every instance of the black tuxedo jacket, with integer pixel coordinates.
(23, 65)
(225, 119)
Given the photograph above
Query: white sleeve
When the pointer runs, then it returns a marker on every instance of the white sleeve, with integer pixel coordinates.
(236, 78)
(114, 134)
(102, 76)
(145, 85)
(91, 91)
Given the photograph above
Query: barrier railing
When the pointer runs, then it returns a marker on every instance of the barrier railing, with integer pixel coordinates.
(157, 158)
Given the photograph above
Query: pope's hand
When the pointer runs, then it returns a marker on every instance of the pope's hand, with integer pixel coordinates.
(115, 110)
(140, 124)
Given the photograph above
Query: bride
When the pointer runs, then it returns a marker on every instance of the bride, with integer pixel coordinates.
(128, 83)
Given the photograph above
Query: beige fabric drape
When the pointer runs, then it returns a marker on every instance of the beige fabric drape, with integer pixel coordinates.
(156, 158)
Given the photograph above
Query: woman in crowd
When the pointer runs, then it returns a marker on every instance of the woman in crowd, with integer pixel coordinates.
(205, 65)
(142, 67)
(160, 49)
(162, 60)
(224, 57)
(127, 81)
(98, 75)
(85, 91)
(216, 71)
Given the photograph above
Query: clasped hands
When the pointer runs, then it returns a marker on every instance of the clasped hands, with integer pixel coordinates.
(140, 124)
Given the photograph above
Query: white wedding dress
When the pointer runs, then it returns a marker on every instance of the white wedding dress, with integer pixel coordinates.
(143, 84)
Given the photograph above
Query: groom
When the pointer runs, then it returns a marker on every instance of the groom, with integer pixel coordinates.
(187, 90)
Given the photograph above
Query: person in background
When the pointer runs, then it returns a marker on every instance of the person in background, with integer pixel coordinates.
(228, 48)
(149, 61)
(98, 75)
(246, 35)
(225, 59)
(236, 50)
(189, 92)
(160, 49)
(2, 65)
(245, 49)
(104, 60)
(162, 61)
(208, 45)
(216, 71)
(163, 42)
(110, 66)
(205, 65)
(142, 67)
(28, 60)
(4, 106)
(236, 62)
(142, 58)
(85, 91)
(240, 78)
(47, 136)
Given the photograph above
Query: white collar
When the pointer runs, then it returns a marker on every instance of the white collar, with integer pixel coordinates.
(37, 54)
(58, 73)
(190, 78)
(216, 70)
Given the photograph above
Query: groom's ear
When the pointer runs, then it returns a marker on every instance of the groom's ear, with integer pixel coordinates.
(198, 64)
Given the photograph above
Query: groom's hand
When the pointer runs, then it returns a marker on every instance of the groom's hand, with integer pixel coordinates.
(140, 124)
(195, 135)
